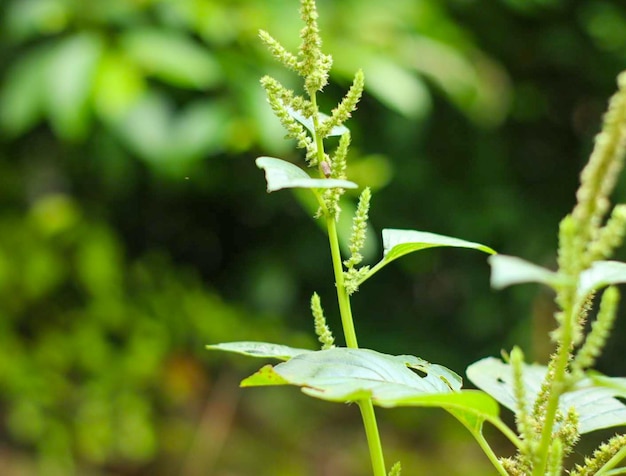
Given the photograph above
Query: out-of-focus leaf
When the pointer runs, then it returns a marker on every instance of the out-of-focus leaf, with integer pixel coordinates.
(198, 130)
(21, 97)
(281, 174)
(71, 70)
(118, 86)
(344, 374)
(172, 57)
(260, 349)
(172, 140)
(509, 270)
(146, 126)
(29, 18)
(397, 87)
(594, 403)
(601, 274)
(475, 84)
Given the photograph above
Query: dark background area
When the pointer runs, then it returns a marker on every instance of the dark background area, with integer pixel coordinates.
(135, 228)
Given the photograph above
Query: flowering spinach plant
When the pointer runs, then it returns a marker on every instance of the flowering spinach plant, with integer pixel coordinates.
(554, 404)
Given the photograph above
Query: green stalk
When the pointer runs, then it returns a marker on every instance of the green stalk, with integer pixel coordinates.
(610, 464)
(345, 309)
(367, 408)
(373, 438)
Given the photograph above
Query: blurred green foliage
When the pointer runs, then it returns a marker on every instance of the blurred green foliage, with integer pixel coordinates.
(134, 227)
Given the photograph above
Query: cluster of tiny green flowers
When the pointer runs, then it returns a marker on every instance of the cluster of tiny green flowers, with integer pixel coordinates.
(396, 469)
(325, 336)
(568, 433)
(310, 63)
(357, 241)
(600, 457)
(291, 109)
(280, 99)
(611, 236)
(348, 104)
(522, 419)
(337, 167)
(600, 331)
(598, 180)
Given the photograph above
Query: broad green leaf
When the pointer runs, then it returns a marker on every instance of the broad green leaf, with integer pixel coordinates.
(172, 57)
(595, 404)
(508, 270)
(308, 122)
(71, 70)
(601, 274)
(343, 374)
(260, 349)
(281, 174)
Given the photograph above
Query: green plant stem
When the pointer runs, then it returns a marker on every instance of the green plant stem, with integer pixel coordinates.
(489, 452)
(610, 464)
(345, 309)
(373, 438)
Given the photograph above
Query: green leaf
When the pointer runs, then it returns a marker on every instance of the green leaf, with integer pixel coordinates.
(508, 270)
(593, 402)
(266, 376)
(260, 349)
(397, 243)
(308, 122)
(601, 274)
(172, 57)
(344, 374)
(281, 174)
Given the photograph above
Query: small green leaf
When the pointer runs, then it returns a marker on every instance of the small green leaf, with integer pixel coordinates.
(308, 122)
(601, 274)
(281, 174)
(259, 349)
(343, 375)
(508, 270)
(266, 376)
(397, 243)
(593, 402)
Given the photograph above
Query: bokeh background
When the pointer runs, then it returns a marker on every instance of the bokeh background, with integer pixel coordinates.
(135, 228)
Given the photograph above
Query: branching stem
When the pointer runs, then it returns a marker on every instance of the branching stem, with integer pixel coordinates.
(347, 322)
